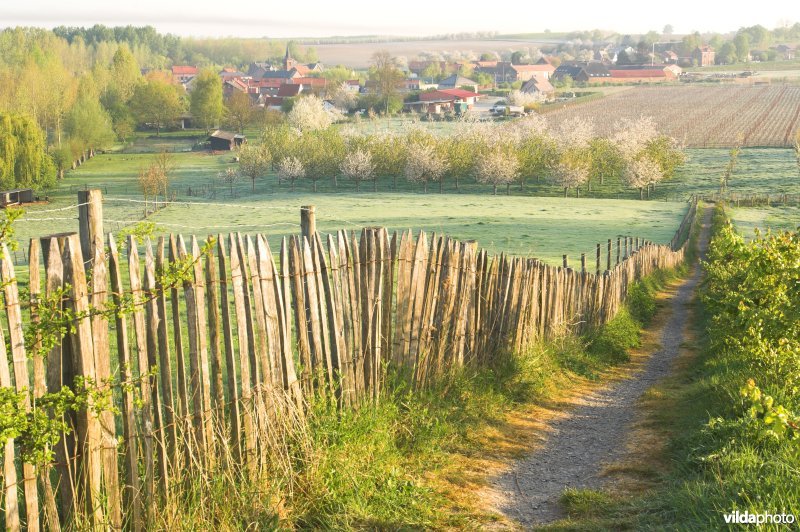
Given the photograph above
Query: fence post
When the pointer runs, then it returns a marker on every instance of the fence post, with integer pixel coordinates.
(308, 221)
(608, 261)
(619, 248)
(90, 222)
(566, 263)
(583, 262)
(598, 260)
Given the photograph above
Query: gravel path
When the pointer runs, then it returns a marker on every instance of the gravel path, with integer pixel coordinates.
(594, 434)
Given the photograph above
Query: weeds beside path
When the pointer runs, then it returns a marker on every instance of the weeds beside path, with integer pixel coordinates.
(594, 433)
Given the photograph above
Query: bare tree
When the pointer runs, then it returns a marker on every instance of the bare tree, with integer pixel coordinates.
(165, 165)
(230, 177)
(149, 181)
(291, 169)
(797, 149)
(387, 75)
(358, 166)
(730, 168)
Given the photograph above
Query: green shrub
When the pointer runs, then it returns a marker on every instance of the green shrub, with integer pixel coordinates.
(612, 342)
(641, 302)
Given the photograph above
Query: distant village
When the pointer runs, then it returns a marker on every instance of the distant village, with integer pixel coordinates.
(460, 84)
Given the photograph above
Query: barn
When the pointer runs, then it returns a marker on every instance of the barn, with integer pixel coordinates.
(225, 140)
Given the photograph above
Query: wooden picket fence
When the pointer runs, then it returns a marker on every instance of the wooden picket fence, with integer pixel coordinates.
(222, 340)
(753, 200)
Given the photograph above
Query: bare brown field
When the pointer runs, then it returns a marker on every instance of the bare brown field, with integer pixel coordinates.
(702, 116)
(358, 55)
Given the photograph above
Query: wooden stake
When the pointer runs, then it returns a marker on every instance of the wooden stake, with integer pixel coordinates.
(308, 221)
(90, 223)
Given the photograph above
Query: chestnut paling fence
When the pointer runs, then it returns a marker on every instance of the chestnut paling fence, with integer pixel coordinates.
(205, 344)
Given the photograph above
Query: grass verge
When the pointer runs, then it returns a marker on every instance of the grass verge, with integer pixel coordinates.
(727, 422)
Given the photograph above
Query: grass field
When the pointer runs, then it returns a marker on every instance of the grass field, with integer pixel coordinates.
(758, 171)
(748, 219)
(540, 227)
(522, 223)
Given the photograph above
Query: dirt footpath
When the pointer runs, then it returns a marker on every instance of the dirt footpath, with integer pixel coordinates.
(579, 445)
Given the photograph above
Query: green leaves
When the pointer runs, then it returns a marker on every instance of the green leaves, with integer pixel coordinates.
(775, 420)
(753, 296)
(24, 161)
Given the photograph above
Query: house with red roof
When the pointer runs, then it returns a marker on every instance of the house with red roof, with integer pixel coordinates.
(444, 100)
(526, 72)
(183, 73)
(507, 72)
(353, 85)
(455, 95)
(643, 73)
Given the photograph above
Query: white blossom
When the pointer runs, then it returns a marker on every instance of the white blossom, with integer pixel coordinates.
(631, 136)
(497, 167)
(641, 172)
(423, 163)
(569, 174)
(575, 133)
(309, 114)
(517, 97)
(291, 169)
(358, 166)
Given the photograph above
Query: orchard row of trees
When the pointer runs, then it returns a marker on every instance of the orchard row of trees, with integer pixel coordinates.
(514, 153)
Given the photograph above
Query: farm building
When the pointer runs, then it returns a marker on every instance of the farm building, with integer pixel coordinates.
(786, 51)
(644, 73)
(703, 56)
(539, 70)
(457, 82)
(225, 140)
(16, 196)
(592, 71)
(441, 101)
(455, 95)
(541, 88)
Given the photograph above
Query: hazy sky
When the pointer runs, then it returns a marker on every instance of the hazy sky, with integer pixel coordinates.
(287, 18)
